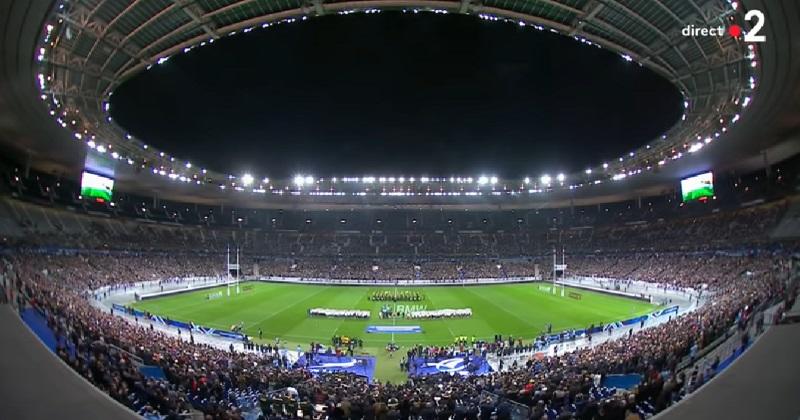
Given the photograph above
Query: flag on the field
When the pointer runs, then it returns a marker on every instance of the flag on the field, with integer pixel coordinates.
(321, 364)
(394, 329)
(459, 365)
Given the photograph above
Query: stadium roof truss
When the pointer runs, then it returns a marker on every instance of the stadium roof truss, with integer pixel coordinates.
(92, 46)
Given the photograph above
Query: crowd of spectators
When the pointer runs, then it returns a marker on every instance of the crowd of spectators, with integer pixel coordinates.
(99, 345)
(34, 226)
(56, 263)
(674, 270)
(371, 269)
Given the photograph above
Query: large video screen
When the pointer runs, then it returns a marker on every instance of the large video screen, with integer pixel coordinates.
(697, 187)
(96, 186)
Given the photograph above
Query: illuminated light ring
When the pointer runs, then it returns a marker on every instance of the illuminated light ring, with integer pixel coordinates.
(619, 170)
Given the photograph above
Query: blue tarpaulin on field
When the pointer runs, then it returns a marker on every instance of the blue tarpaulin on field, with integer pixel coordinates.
(396, 329)
(459, 365)
(330, 363)
(179, 324)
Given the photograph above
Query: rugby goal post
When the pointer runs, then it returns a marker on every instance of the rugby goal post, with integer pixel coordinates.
(233, 271)
(559, 269)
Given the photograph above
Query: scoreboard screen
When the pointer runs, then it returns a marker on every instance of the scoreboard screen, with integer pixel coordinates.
(96, 187)
(698, 187)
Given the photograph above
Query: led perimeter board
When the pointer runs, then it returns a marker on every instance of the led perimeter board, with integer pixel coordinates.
(700, 186)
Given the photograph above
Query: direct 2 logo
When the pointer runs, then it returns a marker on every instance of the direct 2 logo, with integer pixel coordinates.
(753, 35)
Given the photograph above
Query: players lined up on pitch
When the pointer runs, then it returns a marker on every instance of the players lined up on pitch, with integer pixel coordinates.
(386, 313)
(396, 296)
(440, 313)
(339, 313)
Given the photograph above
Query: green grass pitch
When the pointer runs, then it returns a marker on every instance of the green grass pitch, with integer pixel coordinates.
(521, 310)
(280, 310)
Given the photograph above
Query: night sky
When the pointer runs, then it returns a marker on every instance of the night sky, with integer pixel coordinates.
(397, 94)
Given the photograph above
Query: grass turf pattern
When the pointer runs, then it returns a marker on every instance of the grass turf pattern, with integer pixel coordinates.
(280, 310)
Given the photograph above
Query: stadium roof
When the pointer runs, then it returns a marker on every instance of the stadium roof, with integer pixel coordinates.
(63, 59)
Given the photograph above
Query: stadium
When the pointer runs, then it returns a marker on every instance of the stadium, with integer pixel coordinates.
(400, 209)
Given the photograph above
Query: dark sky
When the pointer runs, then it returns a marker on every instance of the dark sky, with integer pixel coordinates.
(397, 94)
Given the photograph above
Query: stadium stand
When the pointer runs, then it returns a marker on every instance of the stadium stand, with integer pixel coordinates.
(62, 253)
(86, 337)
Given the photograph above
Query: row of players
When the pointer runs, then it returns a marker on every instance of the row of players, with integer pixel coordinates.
(396, 296)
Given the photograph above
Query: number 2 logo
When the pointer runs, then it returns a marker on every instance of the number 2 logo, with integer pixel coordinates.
(753, 34)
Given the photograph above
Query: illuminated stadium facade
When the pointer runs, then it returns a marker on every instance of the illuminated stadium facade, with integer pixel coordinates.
(87, 49)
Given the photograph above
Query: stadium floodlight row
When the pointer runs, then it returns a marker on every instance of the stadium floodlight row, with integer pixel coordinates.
(717, 77)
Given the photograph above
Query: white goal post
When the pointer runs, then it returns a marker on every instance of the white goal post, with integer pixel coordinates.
(559, 268)
(233, 267)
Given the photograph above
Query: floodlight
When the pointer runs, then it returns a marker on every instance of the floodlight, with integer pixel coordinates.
(309, 180)
(483, 180)
(560, 177)
(545, 179)
(299, 180)
(247, 179)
